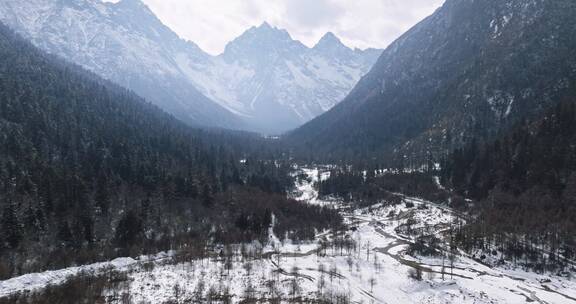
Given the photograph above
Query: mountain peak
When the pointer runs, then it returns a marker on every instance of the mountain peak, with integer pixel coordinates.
(263, 40)
(330, 37)
(265, 29)
(265, 25)
(331, 43)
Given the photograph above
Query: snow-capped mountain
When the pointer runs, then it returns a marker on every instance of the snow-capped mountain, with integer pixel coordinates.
(264, 80)
(277, 82)
(122, 42)
(471, 70)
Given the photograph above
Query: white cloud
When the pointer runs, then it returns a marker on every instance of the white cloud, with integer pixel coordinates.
(359, 23)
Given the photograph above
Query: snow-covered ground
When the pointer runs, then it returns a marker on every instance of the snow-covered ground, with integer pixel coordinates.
(37, 281)
(305, 191)
(376, 270)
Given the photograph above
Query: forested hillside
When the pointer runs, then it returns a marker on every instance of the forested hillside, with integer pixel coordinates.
(523, 182)
(470, 70)
(517, 193)
(124, 42)
(89, 171)
(448, 174)
(483, 91)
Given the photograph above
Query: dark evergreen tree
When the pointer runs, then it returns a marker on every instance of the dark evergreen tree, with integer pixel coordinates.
(11, 228)
(87, 166)
(129, 230)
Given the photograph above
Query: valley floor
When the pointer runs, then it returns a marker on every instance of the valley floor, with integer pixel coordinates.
(376, 269)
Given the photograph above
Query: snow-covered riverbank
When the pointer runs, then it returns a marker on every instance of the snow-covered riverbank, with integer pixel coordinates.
(37, 281)
(376, 272)
(371, 267)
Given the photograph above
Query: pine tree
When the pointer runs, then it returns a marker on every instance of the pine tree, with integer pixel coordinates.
(207, 197)
(129, 229)
(11, 229)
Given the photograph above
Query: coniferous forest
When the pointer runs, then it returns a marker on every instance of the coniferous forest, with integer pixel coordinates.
(447, 174)
(522, 182)
(510, 187)
(89, 171)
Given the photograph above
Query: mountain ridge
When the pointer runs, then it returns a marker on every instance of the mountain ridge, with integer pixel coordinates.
(123, 42)
(89, 172)
(282, 75)
(469, 70)
(264, 81)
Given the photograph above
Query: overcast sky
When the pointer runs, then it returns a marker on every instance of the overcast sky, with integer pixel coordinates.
(358, 23)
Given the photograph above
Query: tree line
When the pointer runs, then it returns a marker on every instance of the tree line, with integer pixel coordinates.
(89, 171)
(517, 189)
(524, 185)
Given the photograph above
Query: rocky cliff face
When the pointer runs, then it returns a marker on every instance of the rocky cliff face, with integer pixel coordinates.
(264, 81)
(471, 69)
(122, 42)
(277, 83)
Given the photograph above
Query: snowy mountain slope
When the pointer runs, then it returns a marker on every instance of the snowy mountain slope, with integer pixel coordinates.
(470, 70)
(278, 83)
(122, 42)
(264, 81)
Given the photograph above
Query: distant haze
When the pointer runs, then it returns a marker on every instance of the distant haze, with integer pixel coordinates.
(358, 23)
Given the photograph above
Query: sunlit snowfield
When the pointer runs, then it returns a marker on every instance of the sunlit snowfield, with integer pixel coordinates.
(368, 264)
